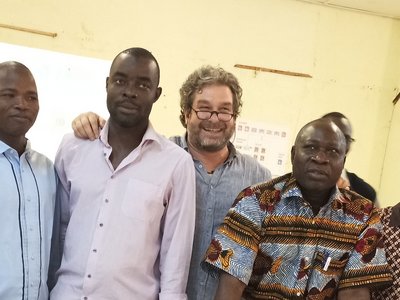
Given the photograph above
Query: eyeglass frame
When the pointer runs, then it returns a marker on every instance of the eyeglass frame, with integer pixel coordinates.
(232, 115)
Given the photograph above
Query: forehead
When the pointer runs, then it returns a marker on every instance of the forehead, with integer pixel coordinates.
(16, 77)
(326, 133)
(214, 94)
(132, 66)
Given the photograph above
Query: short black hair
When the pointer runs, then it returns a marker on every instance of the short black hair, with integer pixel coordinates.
(334, 114)
(140, 52)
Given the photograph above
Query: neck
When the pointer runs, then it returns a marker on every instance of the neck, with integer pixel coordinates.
(123, 141)
(316, 199)
(210, 160)
(17, 143)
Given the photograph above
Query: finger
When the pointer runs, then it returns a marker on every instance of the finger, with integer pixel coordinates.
(78, 128)
(92, 127)
(102, 122)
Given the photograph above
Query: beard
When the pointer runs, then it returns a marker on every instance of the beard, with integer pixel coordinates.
(210, 137)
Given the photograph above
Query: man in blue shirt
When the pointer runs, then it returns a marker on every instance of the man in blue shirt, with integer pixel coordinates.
(210, 103)
(27, 191)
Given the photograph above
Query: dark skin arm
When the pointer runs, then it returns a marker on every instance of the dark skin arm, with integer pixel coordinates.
(354, 294)
(229, 288)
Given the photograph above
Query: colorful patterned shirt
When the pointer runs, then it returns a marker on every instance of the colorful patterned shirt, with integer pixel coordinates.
(391, 236)
(271, 241)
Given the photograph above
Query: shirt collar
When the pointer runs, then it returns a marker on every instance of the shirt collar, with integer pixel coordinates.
(4, 147)
(292, 189)
(149, 135)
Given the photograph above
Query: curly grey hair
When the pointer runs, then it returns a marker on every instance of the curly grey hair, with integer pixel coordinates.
(205, 76)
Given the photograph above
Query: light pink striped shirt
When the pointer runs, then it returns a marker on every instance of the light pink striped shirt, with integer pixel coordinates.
(130, 230)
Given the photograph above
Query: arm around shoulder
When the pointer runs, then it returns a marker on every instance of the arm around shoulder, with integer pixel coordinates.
(354, 294)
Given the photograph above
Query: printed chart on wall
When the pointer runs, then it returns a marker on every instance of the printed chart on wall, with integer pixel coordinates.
(267, 143)
(67, 85)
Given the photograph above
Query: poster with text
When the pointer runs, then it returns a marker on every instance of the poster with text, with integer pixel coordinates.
(267, 143)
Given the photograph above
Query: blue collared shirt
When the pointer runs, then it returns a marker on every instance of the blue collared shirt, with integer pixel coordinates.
(215, 194)
(27, 199)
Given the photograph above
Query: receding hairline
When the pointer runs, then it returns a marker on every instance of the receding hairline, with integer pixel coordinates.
(322, 121)
(9, 65)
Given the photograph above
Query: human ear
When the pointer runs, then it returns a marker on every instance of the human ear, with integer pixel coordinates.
(292, 154)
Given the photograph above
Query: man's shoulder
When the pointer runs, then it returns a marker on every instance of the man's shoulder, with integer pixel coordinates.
(170, 146)
(38, 157)
(354, 204)
(248, 162)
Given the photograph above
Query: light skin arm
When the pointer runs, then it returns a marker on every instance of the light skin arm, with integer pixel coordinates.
(354, 294)
(229, 288)
(88, 125)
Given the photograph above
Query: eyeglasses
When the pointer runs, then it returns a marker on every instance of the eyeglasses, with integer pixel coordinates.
(206, 115)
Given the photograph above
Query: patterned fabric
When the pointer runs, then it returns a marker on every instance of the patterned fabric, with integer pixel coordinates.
(271, 241)
(391, 235)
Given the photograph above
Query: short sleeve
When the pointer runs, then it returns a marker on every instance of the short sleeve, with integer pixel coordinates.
(367, 266)
(235, 245)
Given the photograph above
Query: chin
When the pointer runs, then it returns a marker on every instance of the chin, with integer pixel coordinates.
(213, 147)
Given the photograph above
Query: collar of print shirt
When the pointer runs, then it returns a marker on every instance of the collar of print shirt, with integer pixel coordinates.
(395, 216)
(149, 135)
(290, 188)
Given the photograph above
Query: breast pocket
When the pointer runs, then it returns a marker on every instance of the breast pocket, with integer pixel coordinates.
(143, 201)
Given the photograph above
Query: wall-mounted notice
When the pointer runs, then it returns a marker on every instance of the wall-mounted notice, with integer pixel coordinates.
(268, 144)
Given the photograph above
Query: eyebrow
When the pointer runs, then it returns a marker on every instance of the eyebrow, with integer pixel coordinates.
(120, 74)
(203, 101)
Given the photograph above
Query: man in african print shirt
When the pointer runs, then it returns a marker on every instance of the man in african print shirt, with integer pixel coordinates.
(390, 217)
(299, 236)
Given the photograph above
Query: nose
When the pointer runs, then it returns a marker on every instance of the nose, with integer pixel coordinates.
(20, 102)
(320, 157)
(130, 91)
(214, 113)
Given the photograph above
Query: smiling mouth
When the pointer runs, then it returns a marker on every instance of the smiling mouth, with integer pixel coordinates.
(212, 129)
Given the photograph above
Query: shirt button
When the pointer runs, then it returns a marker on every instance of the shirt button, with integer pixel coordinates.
(28, 199)
(89, 276)
(106, 200)
(298, 294)
(101, 224)
(94, 250)
(200, 166)
(85, 298)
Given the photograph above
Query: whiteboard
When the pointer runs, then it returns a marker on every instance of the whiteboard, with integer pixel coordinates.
(67, 85)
